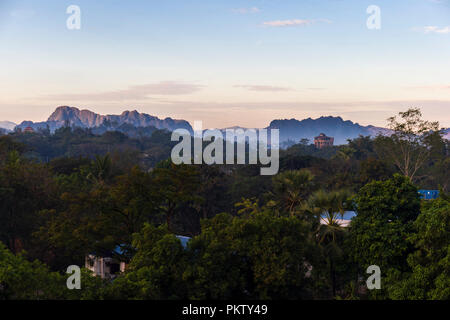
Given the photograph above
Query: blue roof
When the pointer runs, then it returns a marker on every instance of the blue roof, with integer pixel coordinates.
(184, 240)
(429, 194)
(119, 250)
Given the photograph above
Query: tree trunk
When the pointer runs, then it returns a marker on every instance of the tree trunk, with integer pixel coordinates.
(333, 278)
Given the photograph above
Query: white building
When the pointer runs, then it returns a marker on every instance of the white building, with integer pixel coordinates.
(108, 267)
(343, 221)
(104, 267)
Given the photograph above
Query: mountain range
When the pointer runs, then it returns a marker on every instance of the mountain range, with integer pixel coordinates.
(341, 130)
(75, 117)
(291, 130)
(7, 125)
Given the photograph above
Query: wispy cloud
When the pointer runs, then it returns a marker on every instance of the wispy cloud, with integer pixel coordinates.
(434, 29)
(246, 10)
(294, 22)
(139, 92)
(263, 88)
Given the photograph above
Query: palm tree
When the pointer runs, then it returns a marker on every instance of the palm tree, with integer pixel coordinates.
(330, 232)
(345, 153)
(331, 204)
(102, 167)
(291, 188)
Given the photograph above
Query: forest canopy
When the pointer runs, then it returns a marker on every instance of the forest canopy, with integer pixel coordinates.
(74, 193)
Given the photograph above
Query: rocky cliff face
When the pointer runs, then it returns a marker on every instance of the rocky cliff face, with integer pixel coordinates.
(76, 117)
(291, 130)
(88, 119)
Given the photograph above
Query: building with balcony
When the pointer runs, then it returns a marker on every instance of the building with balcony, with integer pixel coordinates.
(28, 130)
(322, 141)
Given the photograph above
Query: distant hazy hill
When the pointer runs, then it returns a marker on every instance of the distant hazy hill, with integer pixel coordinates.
(134, 123)
(447, 133)
(88, 119)
(336, 127)
(290, 130)
(7, 125)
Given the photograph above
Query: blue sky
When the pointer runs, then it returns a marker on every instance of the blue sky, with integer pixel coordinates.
(226, 62)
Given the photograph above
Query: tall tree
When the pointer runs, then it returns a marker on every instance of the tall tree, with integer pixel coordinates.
(429, 277)
(411, 142)
(25, 188)
(178, 190)
(257, 255)
(377, 235)
(330, 234)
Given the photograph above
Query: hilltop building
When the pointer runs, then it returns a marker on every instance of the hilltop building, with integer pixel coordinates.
(28, 130)
(323, 141)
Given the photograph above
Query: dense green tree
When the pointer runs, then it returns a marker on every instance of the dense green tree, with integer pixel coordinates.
(21, 279)
(363, 147)
(67, 166)
(430, 262)
(98, 218)
(258, 255)
(8, 145)
(25, 188)
(214, 190)
(372, 169)
(133, 201)
(155, 272)
(216, 270)
(178, 191)
(81, 225)
(386, 212)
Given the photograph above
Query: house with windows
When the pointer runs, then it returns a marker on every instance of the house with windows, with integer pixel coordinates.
(108, 266)
(322, 141)
(105, 266)
(28, 130)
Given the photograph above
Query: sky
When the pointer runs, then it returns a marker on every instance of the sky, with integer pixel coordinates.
(226, 63)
